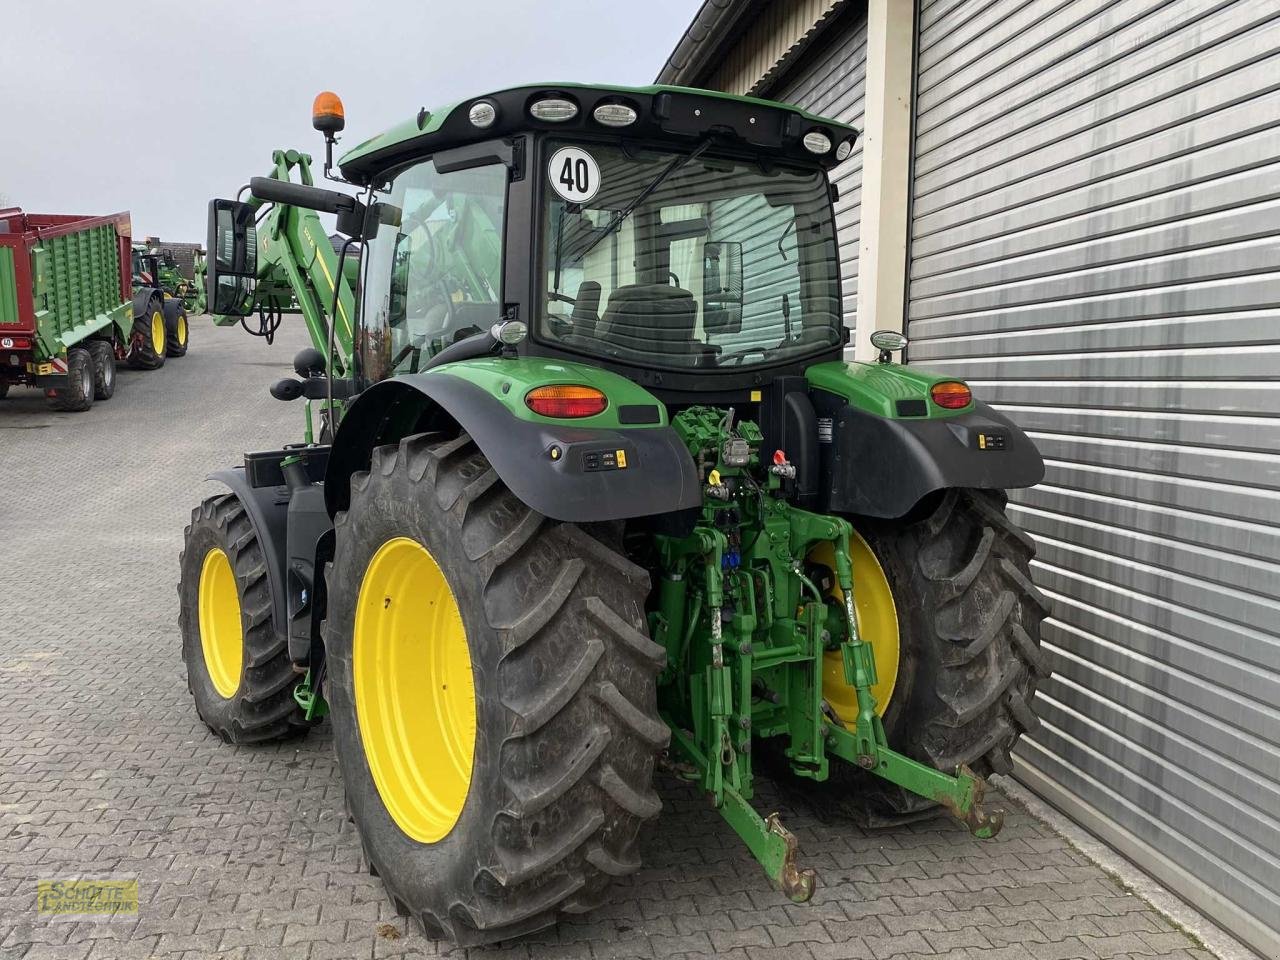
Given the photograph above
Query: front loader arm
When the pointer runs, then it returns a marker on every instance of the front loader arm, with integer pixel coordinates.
(298, 267)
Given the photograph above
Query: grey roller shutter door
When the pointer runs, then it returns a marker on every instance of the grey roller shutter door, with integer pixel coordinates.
(830, 83)
(1095, 245)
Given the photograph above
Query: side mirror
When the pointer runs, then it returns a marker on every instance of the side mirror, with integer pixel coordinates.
(722, 286)
(232, 267)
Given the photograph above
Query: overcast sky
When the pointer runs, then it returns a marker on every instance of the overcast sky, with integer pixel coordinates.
(97, 114)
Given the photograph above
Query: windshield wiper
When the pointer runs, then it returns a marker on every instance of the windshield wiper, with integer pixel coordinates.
(617, 219)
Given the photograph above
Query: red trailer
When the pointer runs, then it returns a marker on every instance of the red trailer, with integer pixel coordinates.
(68, 311)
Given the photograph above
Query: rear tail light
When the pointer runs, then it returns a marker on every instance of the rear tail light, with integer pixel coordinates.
(951, 394)
(566, 401)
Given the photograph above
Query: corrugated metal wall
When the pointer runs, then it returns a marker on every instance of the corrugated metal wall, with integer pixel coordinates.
(1096, 246)
(773, 36)
(831, 83)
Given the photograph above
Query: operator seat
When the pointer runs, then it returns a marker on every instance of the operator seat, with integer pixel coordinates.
(652, 319)
(586, 305)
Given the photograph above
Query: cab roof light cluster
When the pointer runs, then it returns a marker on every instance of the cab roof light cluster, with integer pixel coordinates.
(815, 141)
(566, 401)
(615, 115)
(553, 109)
(482, 114)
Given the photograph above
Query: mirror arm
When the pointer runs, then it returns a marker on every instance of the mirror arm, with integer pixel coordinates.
(353, 218)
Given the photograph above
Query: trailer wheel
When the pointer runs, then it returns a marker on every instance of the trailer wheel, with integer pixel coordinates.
(175, 328)
(968, 624)
(238, 670)
(77, 395)
(147, 339)
(104, 369)
(4, 388)
(492, 688)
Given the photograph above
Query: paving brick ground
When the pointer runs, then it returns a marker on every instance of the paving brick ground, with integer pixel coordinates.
(243, 852)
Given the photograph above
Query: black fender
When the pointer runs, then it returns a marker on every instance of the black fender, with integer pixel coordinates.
(659, 477)
(882, 467)
(141, 297)
(268, 511)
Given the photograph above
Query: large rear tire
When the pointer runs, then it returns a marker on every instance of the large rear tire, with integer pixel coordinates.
(969, 648)
(147, 339)
(238, 669)
(176, 330)
(547, 775)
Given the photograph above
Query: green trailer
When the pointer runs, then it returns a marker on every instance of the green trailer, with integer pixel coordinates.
(68, 311)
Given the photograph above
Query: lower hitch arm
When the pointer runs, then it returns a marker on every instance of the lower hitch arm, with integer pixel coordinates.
(959, 794)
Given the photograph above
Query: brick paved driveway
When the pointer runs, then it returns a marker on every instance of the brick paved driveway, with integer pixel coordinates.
(243, 852)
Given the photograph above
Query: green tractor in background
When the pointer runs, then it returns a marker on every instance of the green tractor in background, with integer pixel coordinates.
(168, 333)
(591, 486)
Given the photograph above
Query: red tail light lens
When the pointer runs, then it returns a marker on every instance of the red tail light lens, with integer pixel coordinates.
(566, 401)
(951, 394)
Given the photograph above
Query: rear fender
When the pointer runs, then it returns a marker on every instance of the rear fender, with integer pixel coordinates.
(884, 444)
(141, 298)
(564, 470)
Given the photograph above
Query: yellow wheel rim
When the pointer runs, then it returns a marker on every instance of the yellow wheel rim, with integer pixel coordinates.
(157, 332)
(221, 632)
(182, 330)
(414, 692)
(877, 624)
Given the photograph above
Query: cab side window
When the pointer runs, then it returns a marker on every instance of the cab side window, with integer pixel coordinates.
(435, 279)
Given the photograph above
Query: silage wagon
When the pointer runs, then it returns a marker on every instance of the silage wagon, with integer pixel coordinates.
(68, 310)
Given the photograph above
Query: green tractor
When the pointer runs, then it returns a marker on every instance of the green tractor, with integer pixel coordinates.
(157, 276)
(593, 487)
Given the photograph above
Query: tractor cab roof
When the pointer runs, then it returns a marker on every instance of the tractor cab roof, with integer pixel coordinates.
(680, 116)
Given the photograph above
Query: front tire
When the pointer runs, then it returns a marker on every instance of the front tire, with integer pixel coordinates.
(238, 669)
(565, 723)
(969, 648)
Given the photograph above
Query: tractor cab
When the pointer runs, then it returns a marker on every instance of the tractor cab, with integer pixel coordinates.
(682, 238)
(677, 237)
(146, 268)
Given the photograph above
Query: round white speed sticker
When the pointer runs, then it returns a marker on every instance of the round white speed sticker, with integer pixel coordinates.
(574, 174)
